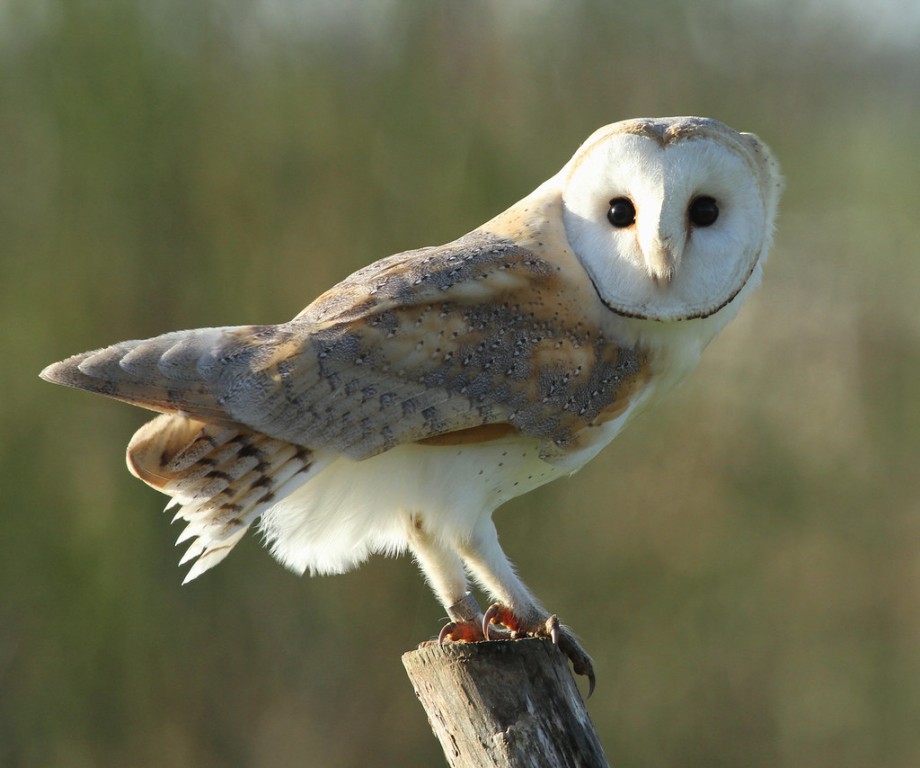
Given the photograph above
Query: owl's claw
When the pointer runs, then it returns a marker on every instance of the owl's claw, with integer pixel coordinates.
(562, 636)
(488, 617)
(502, 616)
(460, 632)
(470, 632)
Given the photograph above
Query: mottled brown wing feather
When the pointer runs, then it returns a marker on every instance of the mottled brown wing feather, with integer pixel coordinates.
(428, 343)
(421, 344)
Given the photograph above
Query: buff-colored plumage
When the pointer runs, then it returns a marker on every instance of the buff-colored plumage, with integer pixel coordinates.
(400, 408)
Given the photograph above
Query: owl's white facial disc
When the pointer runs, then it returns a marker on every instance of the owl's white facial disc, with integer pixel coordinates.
(669, 217)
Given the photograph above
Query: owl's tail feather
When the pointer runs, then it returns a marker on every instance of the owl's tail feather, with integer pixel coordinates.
(168, 373)
(221, 477)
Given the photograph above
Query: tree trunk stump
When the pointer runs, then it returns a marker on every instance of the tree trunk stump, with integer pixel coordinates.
(507, 703)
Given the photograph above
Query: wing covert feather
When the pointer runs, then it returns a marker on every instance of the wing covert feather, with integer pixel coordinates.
(430, 342)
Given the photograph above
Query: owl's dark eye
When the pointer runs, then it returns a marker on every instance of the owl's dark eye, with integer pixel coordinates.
(622, 212)
(703, 212)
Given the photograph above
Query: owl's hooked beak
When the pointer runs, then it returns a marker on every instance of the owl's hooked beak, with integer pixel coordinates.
(661, 259)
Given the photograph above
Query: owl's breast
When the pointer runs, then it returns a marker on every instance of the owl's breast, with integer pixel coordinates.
(353, 509)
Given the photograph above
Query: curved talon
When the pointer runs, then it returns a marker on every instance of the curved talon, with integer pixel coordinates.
(581, 661)
(582, 665)
(444, 634)
(587, 671)
(490, 614)
(552, 627)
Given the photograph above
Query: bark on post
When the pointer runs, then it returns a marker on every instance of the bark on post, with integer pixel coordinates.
(506, 703)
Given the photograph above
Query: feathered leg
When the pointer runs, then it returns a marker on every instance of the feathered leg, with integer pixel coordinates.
(446, 576)
(516, 609)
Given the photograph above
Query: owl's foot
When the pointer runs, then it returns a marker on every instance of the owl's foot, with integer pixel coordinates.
(460, 632)
(562, 636)
(457, 632)
(465, 625)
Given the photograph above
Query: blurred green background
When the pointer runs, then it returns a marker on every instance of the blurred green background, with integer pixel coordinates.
(743, 563)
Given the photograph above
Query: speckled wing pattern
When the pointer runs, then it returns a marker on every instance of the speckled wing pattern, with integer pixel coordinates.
(427, 343)
(414, 346)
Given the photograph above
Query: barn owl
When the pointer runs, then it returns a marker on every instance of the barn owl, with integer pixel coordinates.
(404, 405)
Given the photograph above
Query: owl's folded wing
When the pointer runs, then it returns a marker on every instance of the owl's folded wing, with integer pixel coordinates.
(414, 347)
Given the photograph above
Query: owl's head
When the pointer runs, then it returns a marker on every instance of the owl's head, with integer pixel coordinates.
(670, 217)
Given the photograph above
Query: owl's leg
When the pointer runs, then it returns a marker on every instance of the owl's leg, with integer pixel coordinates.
(446, 575)
(517, 609)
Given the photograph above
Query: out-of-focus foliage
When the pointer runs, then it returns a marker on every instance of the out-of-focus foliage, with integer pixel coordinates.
(744, 563)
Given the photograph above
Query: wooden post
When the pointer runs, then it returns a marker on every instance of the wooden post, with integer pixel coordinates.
(504, 703)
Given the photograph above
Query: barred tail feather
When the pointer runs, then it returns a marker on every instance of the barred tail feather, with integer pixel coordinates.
(222, 478)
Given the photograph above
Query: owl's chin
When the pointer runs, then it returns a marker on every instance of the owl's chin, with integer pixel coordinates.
(664, 313)
(629, 295)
